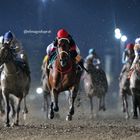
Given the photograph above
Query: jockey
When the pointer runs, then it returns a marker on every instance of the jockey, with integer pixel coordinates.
(128, 57)
(21, 57)
(1, 41)
(137, 53)
(128, 54)
(93, 58)
(74, 50)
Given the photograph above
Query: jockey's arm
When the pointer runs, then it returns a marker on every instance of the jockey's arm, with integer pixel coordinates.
(124, 57)
(135, 60)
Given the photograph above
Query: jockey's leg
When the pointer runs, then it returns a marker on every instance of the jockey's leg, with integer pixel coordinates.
(80, 62)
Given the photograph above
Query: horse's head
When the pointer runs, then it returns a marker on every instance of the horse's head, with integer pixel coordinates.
(5, 54)
(63, 50)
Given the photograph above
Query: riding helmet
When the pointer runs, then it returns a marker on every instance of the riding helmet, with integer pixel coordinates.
(62, 33)
(91, 51)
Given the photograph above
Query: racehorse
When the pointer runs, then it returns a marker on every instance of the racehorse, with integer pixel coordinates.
(46, 92)
(1, 103)
(135, 89)
(14, 82)
(63, 76)
(95, 84)
(124, 84)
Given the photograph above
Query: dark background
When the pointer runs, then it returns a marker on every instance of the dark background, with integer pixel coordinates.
(90, 22)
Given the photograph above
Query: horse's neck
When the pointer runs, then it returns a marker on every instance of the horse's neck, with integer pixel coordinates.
(10, 68)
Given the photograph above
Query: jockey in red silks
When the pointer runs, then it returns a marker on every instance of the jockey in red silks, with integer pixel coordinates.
(74, 50)
(127, 58)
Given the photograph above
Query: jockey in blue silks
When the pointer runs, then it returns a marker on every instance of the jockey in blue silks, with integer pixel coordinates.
(16, 47)
(93, 58)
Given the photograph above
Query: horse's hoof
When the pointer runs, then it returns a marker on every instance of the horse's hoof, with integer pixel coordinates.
(51, 115)
(69, 118)
(56, 109)
(7, 125)
(25, 111)
(71, 112)
(135, 117)
(127, 117)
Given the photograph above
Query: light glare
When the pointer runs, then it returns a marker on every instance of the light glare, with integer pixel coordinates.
(123, 38)
(39, 90)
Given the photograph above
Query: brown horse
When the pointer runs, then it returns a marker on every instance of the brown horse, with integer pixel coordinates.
(63, 76)
(14, 82)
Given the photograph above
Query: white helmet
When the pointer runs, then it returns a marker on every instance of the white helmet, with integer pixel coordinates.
(137, 41)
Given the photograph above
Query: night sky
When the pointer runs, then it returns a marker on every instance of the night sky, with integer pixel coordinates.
(91, 23)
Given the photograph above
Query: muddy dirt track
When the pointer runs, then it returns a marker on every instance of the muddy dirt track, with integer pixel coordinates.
(108, 125)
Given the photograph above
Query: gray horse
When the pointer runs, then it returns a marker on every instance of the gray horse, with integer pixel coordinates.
(1, 103)
(124, 84)
(46, 92)
(95, 84)
(135, 89)
(14, 83)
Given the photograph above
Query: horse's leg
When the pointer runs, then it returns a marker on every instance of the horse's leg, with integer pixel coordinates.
(134, 98)
(71, 104)
(135, 114)
(100, 103)
(17, 111)
(25, 109)
(55, 101)
(44, 101)
(126, 106)
(47, 104)
(103, 105)
(2, 112)
(123, 102)
(91, 107)
(7, 109)
(51, 111)
(12, 103)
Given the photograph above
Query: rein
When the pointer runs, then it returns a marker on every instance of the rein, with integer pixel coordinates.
(70, 64)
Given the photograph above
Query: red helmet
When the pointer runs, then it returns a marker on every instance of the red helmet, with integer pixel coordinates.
(130, 46)
(62, 34)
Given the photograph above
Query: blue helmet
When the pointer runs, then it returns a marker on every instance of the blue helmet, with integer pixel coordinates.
(91, 51)
(8, 36)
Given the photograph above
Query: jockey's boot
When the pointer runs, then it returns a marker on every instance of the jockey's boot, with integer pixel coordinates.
(80, 63)
(46, 60)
